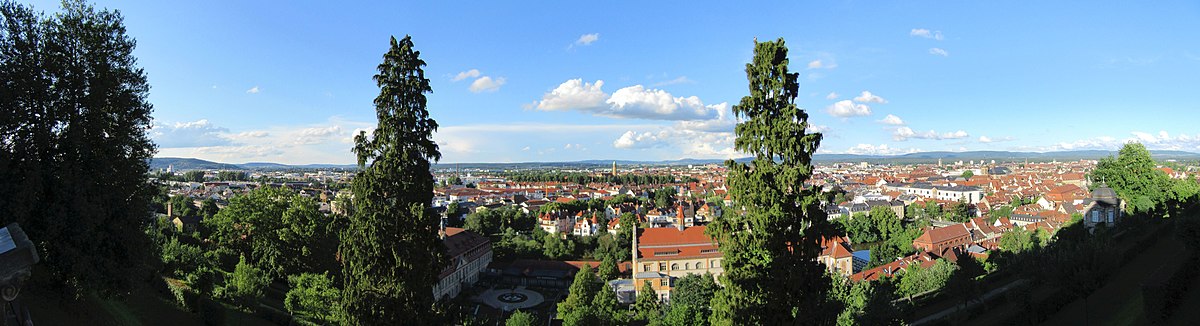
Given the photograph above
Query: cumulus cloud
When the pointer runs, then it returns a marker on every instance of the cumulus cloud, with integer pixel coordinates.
(197, 133)
(906, 133)
(466, 74)
(639, 102)
(574, 94)
(631, 139)
(939, 51)
(587, 39)
(881, 149)
(831, 96)
(316, 135)
(847, 108)
(252, 90)
(723, 123)
(486, 84)
(892, 120)
(633, 102)
(867, 97)
(816, 128)
(921, 32)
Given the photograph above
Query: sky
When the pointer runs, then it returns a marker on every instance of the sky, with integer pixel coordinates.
(291, 82)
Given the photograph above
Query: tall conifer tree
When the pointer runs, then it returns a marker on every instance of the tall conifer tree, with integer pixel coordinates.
(390, 250)
(771, 273)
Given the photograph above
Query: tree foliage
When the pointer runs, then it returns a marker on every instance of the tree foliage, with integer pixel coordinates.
(520, 318)
(277, 230)
(389, 249)
(771, 274)
(1133, 176)
(579, 296)
(74, 147)
(310, 295)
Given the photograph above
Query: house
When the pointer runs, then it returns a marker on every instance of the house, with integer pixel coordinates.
(586, 227)
(939, 239)
(1104, 208)
(837, 256)
(555, 222)
(664, 254)
(467, 253)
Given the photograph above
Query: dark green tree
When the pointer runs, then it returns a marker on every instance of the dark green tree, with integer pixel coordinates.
(520, 318)
(606, 309)
(74, 146)
(579, 296)
(771, 273)
(695, 290)
(647, 307)
(389, 249)
(608, 269)
(310, 296)
(1132, 174)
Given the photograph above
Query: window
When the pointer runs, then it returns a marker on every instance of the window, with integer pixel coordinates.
(1096, 216)
(663, 282)
(645, 267)
(662, 266)
(674, 266)
(1110, 216)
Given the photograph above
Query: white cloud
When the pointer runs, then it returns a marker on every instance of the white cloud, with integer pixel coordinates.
(723, 123)
(816, 128)
(939, 51)
(525, 149)
(631, 139)
(906, 133)
(633, 102)
(892, 120)
(988, 140)
(881, 149)
(574, 94)
(831, 96)
(252, 134)
(252, 90)
(821, 64)
(847, 108)
(316, 135)
(197, 133)
(639, 102)
(867, 97)
(466, 74)
(587, 39)
(921, 32)
(678, 80)
(486, 84)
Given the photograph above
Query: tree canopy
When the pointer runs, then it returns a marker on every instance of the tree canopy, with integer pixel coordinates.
(74, 145)
(390, 251)
(771, 274)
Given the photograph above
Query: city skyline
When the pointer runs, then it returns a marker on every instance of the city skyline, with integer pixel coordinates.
(251, 82)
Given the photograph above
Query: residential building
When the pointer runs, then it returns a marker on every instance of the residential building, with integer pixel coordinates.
(467, 254)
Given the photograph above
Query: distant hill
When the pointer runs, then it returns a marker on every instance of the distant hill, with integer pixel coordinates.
(912, 158)
(181, 164)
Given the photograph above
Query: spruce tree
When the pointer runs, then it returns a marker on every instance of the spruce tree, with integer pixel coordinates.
(771, 276)
(390, 250)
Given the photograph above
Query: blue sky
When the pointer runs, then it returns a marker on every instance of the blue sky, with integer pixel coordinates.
(290, 82)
